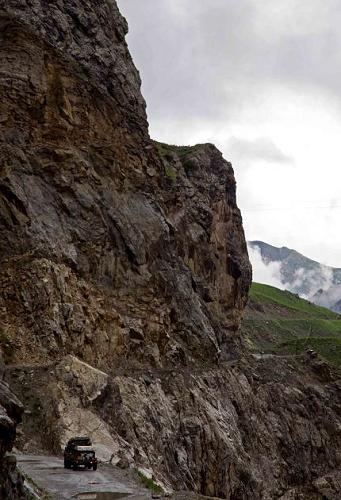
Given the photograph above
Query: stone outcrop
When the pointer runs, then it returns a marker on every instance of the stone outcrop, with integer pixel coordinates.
(11, 481)
(92, 34)
(243, 430)
(124, 274)
(94, 259)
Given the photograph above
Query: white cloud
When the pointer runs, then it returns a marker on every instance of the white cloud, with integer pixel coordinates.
(268, 274)
(315, 284)
(253, 69)
(291, 17)
(315, 280)
(260, 148)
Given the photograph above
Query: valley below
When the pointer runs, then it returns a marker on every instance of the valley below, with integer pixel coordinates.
(280, 322)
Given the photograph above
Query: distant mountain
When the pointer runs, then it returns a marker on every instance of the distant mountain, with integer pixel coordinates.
(314, 281)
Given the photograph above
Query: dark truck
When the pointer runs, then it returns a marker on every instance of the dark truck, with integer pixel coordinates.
(80, 453)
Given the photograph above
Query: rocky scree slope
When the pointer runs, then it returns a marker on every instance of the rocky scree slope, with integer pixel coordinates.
(124, 275)
(90, 248)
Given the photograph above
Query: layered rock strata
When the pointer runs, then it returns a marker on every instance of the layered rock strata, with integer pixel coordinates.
(96, 256)
(124, 275)
(249, 429)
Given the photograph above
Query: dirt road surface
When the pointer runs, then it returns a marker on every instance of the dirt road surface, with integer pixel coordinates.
(107, 483)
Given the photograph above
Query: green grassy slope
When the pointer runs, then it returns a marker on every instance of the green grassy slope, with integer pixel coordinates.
(279, 322)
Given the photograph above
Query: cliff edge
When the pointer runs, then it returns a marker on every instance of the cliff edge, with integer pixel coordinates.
(96, 248)
(124, 276)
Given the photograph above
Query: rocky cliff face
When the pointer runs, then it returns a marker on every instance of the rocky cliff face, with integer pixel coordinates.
(90, 253)
(11, 481)
(124, 275)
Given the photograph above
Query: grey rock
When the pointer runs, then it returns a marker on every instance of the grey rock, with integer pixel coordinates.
(11, 481)
(111, 277)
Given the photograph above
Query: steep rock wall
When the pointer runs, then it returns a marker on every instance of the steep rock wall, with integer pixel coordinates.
(92, 33)
(91, 258)
(130, 256)
(251, 429)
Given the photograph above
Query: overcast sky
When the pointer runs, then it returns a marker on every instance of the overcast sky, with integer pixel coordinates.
(262, 80)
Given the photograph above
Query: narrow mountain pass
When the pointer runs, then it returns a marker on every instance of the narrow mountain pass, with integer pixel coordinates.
(107, 483)
(60, 484)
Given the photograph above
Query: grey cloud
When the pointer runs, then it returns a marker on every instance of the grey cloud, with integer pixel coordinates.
(189, 60)
(316, 284)
(215, 68)
(262, 148)
(207, 59)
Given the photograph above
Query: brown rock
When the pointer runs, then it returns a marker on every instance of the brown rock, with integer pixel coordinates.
(124, 275)
(91, 244)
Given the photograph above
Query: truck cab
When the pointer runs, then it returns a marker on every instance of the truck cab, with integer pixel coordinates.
(79, 452)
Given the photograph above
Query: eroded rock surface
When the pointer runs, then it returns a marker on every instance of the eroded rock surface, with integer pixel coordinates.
(243, 430)
(11, 481)
(92, 259)
(124, 274)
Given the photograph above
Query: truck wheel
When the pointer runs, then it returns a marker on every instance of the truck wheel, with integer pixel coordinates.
(95, 466)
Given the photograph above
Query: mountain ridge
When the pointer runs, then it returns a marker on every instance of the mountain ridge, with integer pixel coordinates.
(317, 282)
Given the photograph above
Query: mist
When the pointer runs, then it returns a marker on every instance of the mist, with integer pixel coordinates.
(318, 284)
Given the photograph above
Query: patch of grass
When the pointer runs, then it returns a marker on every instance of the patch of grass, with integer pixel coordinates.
(149, 483)
(169, 157)
(328, 348)
(171, 149)
(289, 300)
(190, 166)
(170, 173)
(280, 322)
(296, 327)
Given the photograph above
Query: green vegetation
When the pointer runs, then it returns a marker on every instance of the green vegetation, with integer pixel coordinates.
(327, 347)
(170, 173)
(278, 321)
(190, 166)
(289, 300)
(149, 483)
(169, 150)
(170, 153)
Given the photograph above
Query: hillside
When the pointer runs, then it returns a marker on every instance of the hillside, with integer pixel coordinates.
(319, 283)
(124, 278)
(280, 322)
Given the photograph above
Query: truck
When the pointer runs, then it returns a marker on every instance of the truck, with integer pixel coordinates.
(79, 452)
